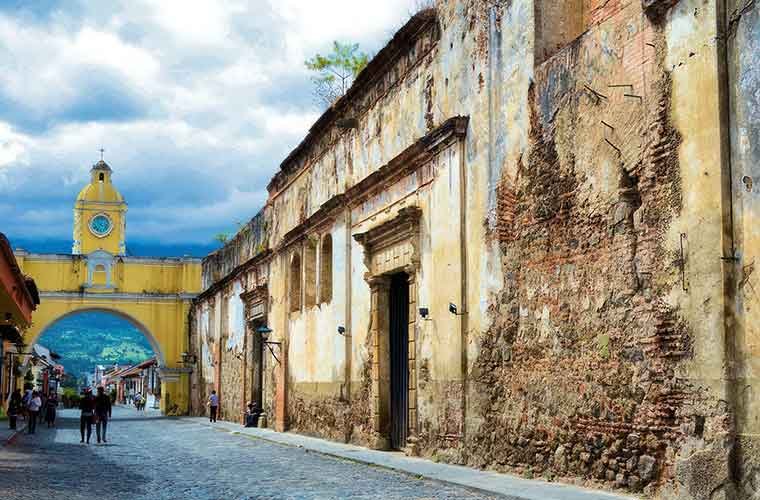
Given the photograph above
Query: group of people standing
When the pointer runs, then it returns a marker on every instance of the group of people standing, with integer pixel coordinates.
(33, 406)
(97, 410)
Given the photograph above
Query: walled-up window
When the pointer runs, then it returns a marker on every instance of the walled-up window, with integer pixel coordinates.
(295, 283)
(99, 277)
(557, 24)
(325, 270)
(310, 273)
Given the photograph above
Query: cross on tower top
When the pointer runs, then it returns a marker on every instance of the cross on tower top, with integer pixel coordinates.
(101, 153)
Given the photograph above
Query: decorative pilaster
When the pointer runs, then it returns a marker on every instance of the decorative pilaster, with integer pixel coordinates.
(281, 396)
(412, 436)
(379, 288)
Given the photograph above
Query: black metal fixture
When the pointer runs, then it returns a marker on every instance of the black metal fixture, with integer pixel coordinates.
(188, 358)
(264, 331)
(342, 331)
(424, 313)
(453, 310)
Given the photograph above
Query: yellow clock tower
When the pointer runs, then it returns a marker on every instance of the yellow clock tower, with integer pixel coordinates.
(154, 293)
(99, 215)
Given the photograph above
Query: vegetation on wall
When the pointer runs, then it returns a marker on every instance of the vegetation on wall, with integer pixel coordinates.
(335, 71)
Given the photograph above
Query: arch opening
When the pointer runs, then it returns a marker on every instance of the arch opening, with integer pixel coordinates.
(91, 337)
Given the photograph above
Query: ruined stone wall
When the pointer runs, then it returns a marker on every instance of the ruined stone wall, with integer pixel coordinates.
(389, 119)
(250, 240)
(197, 391)
(222, 342)
(588, 367)
(233, 366)
(464, 73)
(203, 346)
(586, 225)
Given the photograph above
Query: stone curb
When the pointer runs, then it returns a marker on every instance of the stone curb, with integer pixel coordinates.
(485, 482)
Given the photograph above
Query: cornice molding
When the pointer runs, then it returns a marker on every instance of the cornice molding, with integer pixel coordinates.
(409, 160)
(118, 297)
(257, 259)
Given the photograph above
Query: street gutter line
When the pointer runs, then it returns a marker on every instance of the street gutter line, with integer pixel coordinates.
(560, 491)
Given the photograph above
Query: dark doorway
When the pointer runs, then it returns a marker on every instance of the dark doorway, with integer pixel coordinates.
(257, 364)
(399, 351)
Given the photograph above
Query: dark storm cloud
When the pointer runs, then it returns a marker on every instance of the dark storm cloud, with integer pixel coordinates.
(103, 96)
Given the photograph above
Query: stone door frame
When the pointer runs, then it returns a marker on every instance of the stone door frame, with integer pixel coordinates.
(256, 302)
(390, 248)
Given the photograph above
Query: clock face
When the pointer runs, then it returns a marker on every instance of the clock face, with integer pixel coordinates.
(100, 225)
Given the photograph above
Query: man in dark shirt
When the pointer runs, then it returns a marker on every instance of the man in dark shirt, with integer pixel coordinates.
(102, 412)
(87, 406)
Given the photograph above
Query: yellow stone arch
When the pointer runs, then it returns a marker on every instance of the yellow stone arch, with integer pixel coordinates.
(154, 294)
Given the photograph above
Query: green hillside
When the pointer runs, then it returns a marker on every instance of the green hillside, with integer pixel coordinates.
(95, 338)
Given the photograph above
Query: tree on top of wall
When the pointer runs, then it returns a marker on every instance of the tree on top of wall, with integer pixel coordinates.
(335, 72)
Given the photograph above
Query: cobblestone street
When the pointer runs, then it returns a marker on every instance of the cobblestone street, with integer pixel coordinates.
(150, 457)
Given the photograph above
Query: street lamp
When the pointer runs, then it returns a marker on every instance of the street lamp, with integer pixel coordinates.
(453, 310)
(188, 358)
(264, 332)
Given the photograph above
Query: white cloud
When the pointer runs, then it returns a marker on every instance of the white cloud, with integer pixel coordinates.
(12, 146)
(196, 102)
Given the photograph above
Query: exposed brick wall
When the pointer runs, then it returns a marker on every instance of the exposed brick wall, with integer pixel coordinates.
(349, 421)
(577, 375)
(232, 404)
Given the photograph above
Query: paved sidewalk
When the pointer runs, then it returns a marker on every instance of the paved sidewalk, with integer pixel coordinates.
(489, 482)
(7, 435)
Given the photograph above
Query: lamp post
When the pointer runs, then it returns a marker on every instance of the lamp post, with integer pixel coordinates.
(265, 331)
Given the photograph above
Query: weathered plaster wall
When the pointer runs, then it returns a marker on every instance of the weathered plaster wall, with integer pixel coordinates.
(250, 240)
(441, 84)
(579, 223)
(743, 75)
(232, 349)
(319, 398)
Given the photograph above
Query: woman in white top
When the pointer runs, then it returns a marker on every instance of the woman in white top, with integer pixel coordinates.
(35, 403)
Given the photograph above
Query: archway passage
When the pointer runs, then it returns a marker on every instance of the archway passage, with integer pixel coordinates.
(161, 322)
(153, 294)
(91, 342)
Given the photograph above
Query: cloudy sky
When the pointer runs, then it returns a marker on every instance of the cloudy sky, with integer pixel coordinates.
(196, 102)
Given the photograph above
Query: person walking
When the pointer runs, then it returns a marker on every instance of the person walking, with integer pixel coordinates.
(34, 409)
(87, 407)
(25, 403)
(213, 406)
(138, 401)
(102, 413)
(43, 406)
(51, 408)
(14, 408)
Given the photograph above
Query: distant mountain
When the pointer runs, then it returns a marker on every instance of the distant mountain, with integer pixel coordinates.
(135, 248)
(95, 338)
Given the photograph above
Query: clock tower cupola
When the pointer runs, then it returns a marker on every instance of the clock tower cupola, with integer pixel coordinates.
(99, 215)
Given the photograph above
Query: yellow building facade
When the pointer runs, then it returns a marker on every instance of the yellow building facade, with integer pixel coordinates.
(152, 293)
